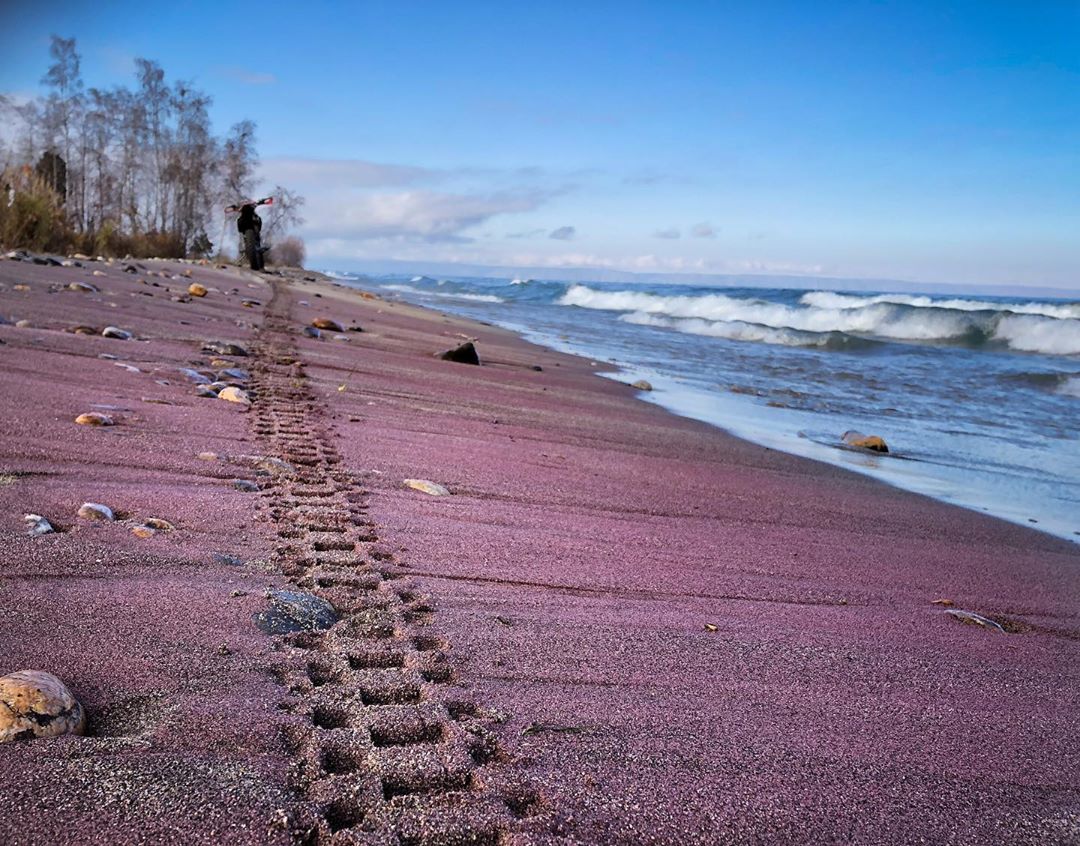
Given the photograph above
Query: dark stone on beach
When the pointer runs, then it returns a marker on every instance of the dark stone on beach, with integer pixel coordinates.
(641, 385)
(355, 328)
(312, 332)
(223, 348)
(538, 368)
(245, 486)
(234, 373)
(464, 354)
(226, 559)
(294, 611)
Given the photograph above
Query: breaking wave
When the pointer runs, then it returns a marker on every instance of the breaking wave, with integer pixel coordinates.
(832, 299)
(1052, 331)
(737, 330)
(445, 295)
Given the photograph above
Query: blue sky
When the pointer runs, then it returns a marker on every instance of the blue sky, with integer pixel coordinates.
(936, 141)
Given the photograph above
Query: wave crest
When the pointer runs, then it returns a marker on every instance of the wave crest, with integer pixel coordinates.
(867, 317)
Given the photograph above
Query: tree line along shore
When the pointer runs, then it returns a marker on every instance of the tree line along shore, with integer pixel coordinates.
(129, 171)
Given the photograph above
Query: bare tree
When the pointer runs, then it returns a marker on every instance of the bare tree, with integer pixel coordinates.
(284, 213)
(141, 170)
(63, 106)
(238, 162)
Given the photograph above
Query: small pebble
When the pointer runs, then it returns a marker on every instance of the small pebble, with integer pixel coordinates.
(245, 486)
(143, 532)
(195, 289)
(115, 332)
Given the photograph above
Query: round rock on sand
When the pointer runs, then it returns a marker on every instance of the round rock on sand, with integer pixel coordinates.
(94, 418)
(328, 324)
(96, 511)
(197, 290)
(37, 704)
(233, 394)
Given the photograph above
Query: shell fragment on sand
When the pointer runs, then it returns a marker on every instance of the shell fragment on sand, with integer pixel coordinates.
(96, 511)
(37, 704)
(973, 619)
(433, 488)
(38, 525)
(95, 418)
(874, 443)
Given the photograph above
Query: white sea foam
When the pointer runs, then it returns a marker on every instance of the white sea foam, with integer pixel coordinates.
(445, 295)
(732, 330)
(1070, 387)
(1031, 333)
(832, 299)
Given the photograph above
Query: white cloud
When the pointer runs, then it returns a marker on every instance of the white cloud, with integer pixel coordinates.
(427, 216)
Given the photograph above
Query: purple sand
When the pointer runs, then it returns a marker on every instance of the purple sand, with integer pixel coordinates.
(589, 539)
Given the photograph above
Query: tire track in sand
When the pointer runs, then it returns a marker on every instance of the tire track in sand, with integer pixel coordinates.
(386, 750)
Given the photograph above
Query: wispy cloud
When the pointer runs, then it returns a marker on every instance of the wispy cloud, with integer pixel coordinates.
(703, 230)
(669, 234)
(528, 233)
(564, 233)
(418, 216)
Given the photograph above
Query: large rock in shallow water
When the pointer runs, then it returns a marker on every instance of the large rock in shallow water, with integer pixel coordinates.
(37, 704)
(465, 354)
(870, 442)
(295, 611)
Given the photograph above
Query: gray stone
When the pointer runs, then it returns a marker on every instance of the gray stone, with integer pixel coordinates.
(295, 611)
